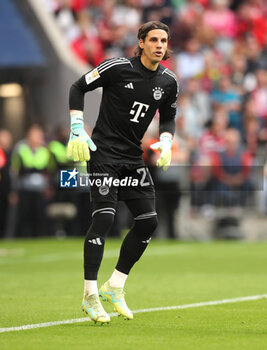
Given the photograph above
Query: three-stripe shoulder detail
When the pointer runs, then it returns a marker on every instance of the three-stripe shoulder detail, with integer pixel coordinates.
(111, 63)
(171, 74)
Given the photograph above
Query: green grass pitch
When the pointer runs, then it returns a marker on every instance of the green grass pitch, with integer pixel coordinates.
(41, 280)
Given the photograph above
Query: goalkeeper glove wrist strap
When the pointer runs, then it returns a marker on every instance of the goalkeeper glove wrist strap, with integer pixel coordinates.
(166, 138)
(76, 120)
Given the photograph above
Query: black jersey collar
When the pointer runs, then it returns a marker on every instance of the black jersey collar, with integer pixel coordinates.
(149, 72)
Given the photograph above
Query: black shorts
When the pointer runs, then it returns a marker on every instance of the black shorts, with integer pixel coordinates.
(119, 182)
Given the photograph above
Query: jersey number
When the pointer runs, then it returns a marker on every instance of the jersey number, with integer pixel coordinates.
(138, 110)
(144, 172)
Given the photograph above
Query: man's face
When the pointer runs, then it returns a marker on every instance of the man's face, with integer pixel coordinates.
(154, 45)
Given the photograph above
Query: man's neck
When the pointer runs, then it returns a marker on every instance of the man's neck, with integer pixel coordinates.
(148, 64)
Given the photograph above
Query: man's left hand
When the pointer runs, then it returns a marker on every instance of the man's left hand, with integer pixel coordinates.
(164, 146)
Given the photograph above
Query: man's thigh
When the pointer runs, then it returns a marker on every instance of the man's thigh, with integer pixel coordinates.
(138, 183)
(101, 178)
(113, 182)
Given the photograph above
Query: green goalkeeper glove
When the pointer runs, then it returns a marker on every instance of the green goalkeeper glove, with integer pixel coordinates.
(79, 141)
(164, 146)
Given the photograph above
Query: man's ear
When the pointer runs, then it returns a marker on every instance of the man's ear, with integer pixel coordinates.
(141, 43)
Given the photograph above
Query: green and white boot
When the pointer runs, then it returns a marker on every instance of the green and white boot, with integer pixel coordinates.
(115, 296)
(93, 307)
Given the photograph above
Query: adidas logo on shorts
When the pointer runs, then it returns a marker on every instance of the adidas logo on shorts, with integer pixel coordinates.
(147, 240)
(95, 241)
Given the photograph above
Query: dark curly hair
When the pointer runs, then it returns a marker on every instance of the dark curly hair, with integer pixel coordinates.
(147, 27)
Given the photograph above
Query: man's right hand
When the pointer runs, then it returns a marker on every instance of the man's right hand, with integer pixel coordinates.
(79, 141)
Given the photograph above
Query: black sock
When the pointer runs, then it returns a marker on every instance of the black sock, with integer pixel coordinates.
(94, 243)
(135, 243)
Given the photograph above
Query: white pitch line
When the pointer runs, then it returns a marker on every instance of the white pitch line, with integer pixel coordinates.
(166, 308)
(205, 303)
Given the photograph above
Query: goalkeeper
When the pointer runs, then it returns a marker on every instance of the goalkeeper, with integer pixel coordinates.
(133, 90)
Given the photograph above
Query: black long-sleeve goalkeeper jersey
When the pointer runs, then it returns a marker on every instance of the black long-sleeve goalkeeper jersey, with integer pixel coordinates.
(131, 96)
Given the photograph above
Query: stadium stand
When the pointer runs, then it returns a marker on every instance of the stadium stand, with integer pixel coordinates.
(19, 44)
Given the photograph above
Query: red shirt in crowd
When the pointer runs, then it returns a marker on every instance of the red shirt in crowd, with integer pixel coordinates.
(220, 171)
(255, 25)
(2, 158)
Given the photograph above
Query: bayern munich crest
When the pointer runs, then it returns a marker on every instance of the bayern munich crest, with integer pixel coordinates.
(103, 190)
(157, 93)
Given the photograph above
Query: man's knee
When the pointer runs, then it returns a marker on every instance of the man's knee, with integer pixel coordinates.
(102, 222)
(145, 225)
(152, 223)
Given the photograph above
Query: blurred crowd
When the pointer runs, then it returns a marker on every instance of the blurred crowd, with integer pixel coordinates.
(31, 200)
(220, 58)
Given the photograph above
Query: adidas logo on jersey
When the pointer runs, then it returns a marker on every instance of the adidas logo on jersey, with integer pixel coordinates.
(129, 86)
(95, 241)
